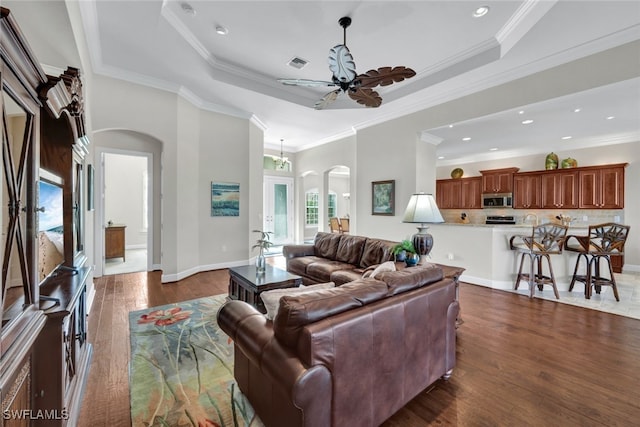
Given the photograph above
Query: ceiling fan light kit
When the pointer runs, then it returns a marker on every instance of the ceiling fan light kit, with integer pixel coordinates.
(344, 76)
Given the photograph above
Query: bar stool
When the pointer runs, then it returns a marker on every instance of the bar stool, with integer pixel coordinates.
(546, 239)
(602, 241)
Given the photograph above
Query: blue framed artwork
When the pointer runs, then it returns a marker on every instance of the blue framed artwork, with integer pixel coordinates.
(225, 199)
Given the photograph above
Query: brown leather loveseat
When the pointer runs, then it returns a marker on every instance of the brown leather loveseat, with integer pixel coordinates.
(352, 355)
(338, 258)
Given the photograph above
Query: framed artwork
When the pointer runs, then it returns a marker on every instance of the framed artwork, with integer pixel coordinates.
(225, 199)
(383, 197)
(90, 180)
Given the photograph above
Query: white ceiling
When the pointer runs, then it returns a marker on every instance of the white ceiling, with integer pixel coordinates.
(156, 43)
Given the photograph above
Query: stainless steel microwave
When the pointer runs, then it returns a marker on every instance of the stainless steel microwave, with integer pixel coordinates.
(497, 200)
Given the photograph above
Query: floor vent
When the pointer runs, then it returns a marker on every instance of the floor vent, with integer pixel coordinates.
(297, 62)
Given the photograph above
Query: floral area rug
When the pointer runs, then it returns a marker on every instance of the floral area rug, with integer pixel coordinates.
(181, 368)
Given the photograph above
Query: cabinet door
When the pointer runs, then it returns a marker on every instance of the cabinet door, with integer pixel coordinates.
(559, 190)
(497, 182)
(448, 193)
(527, 192)
(471, 193)
(602, 188)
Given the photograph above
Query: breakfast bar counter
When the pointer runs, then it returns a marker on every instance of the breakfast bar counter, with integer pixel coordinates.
(483, 250)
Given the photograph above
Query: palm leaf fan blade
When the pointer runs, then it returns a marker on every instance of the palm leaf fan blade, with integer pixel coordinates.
(341, 64)
(366, 97)
(385, 76)
(327, 99)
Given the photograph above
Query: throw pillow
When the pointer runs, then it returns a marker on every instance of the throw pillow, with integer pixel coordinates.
(271, 299)
(385, 266)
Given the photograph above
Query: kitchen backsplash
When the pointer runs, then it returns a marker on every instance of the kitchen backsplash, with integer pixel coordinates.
(580, 217)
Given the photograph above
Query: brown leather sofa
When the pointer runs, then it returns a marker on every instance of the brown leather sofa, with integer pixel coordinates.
(338, 258)
(352, 355)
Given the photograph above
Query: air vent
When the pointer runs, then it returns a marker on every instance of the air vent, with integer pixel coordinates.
(297, 62)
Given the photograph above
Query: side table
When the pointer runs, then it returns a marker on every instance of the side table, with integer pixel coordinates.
(246, 284)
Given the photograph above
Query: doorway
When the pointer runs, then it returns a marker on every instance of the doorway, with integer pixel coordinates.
(278, 209)
(125, 212)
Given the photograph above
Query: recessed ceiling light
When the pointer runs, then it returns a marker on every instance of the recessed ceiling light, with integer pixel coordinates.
(577, 110)
(566, 137)
(187, 8)
(521, 112)
(611, 117)
(450, 126)
(466, 138)
(481, 11)
(527, 122)
(223, 31)
(440, 157)
(493, 149)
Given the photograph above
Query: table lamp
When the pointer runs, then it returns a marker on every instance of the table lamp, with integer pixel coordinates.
(422, 209)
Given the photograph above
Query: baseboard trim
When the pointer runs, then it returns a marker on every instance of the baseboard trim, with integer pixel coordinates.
(169, 278)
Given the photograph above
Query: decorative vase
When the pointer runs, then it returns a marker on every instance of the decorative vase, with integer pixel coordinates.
(412, 259)
(569, 163)
(551, 161)
(260, 262)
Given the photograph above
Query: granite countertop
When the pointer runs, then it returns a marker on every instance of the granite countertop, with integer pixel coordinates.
(571, 227)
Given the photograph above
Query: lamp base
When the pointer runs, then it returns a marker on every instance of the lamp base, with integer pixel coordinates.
(423, 243)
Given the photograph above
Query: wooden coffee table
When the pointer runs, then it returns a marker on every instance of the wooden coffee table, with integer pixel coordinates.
(246, 284)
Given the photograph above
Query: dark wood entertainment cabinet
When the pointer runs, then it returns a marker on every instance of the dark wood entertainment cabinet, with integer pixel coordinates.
(44, 352)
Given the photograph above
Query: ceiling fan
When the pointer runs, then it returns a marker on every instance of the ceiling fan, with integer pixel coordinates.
(358, 87)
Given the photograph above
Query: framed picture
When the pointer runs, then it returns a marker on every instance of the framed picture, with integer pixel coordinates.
(225, 199)
(90, 180)
(383, 197)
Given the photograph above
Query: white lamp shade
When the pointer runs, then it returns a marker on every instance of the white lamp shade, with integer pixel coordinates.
(422, 208)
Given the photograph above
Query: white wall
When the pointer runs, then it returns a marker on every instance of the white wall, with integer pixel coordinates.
(197, 147)
(124, 196)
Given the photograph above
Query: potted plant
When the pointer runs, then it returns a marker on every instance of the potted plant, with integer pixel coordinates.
(404, 251)
(263, 243)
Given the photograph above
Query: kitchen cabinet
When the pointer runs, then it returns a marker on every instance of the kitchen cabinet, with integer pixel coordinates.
(448, 193)
(498, 180)
(560, 189)
(461, 193)
(602, 187)
(527, 191)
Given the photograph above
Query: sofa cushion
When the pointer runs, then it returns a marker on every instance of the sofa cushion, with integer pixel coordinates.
(271, 299)
(341, 277)
(299, 265)
(350, 249)
(374, 272)
(409, 278)
(321, 270)
(376, 252)
(326, 245)
(297, 311)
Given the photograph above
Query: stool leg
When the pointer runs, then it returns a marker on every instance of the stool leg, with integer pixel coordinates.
(588, 282)
(553, 278)
(532, 279)
(613, 280)
(539, 275)
(515, 286)
(575, 272)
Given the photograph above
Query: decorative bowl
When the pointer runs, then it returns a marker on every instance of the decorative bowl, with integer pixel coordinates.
(457, 173)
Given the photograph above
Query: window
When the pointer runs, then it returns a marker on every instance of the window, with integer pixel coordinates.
(332, 210)
(311, 208)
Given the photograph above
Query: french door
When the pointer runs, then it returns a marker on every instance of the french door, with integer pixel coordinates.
(278, 208)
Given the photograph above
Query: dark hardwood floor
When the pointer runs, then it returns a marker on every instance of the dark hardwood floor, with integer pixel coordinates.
(520, 361)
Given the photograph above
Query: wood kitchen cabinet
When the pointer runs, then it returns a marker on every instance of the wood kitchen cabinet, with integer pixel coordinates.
(602, 187)
(448, 193)
(461, 193)
(560, 189)
(527, 191)
(498, 180)
(114, 242)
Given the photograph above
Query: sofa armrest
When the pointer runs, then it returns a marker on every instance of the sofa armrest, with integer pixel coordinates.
(292, 251)
(253, 335)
